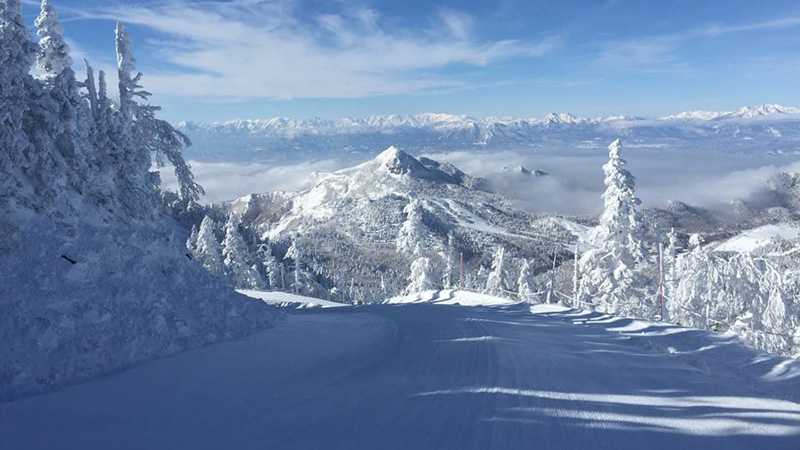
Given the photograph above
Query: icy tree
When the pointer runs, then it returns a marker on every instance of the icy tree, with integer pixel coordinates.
(420, 279)
(524, 291)
(449, 261)
(496, 282)
(53, 56)
(272, 267)
(611, 273)
(237, 259)
(155, 136)
(191, 242)
(411, 237)
(670, 258)
(303, 280)
(293, 254)
(208, 251)
(16, 58)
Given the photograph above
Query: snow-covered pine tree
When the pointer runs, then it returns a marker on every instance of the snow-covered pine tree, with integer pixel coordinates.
(271, 265)
(524, 291)
(16, 58)
(207, 251)
(411, 237)
(135, 158)
(421, 278)
(303, 280)
(154, 136)
(53, 57)
(191, 242)
(237, 260)
(449, 261)
(611, 274)
(67, 116)
(496, 283)
(670, 259)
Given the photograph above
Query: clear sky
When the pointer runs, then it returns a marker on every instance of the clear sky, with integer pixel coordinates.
(219, 60)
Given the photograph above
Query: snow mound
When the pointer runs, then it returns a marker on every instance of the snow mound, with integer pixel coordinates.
(288, 299)
(452, 297)
(545, 308)
(757, 238)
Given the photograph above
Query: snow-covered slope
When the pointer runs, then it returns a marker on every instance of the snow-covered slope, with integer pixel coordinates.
(280, 137)
(426, 376)
(757, 238)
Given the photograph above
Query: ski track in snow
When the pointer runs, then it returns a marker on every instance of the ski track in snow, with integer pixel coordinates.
(426, 376)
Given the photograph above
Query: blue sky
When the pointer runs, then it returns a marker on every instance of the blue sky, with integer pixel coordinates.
(219, 60)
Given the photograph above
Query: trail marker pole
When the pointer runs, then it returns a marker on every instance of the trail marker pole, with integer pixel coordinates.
(461, 269)
(575, 277)
(661, 280)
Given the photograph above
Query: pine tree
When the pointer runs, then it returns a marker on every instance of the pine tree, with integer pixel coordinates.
(449, 262)
(420, 279)
(303, 281)
(612, 268)
(496, 283)
(53, 57)
(237, 259)
(150, 135)
(16, 58)
(271, 265)
(411, 238)
(207, 251)
(191, 242)
(524, 291)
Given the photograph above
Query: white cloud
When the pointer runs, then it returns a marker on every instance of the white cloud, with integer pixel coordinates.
(245, 49)
(659, 53)
(227, 181)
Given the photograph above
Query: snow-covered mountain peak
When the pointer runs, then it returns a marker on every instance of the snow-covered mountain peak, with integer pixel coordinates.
(749, 112)
(398, 162)
(562, 119)
(745, 112)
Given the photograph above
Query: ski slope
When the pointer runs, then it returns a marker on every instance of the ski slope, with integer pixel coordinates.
(429, 376)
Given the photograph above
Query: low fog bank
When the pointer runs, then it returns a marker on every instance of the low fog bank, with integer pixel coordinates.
(572, 187)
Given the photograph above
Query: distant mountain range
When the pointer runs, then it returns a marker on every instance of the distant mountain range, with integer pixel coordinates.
(744, 129)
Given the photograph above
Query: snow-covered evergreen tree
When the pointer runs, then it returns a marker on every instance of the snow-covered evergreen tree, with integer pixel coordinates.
(524, 291)
(496, 283)
(449, 262)
(272, 267)
(411, 238)
(153, 136)
(191, 241)
(208, 251)
(18, 156)
(237, 259)
(611, 275)
(53, 57)
(421, 277)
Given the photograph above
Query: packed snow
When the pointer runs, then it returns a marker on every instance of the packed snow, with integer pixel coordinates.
(427, 376)
(452, 297)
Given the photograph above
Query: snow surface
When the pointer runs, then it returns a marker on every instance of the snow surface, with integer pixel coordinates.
(424, 376)
(452, 297)
(757, 238)
(288, 299)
